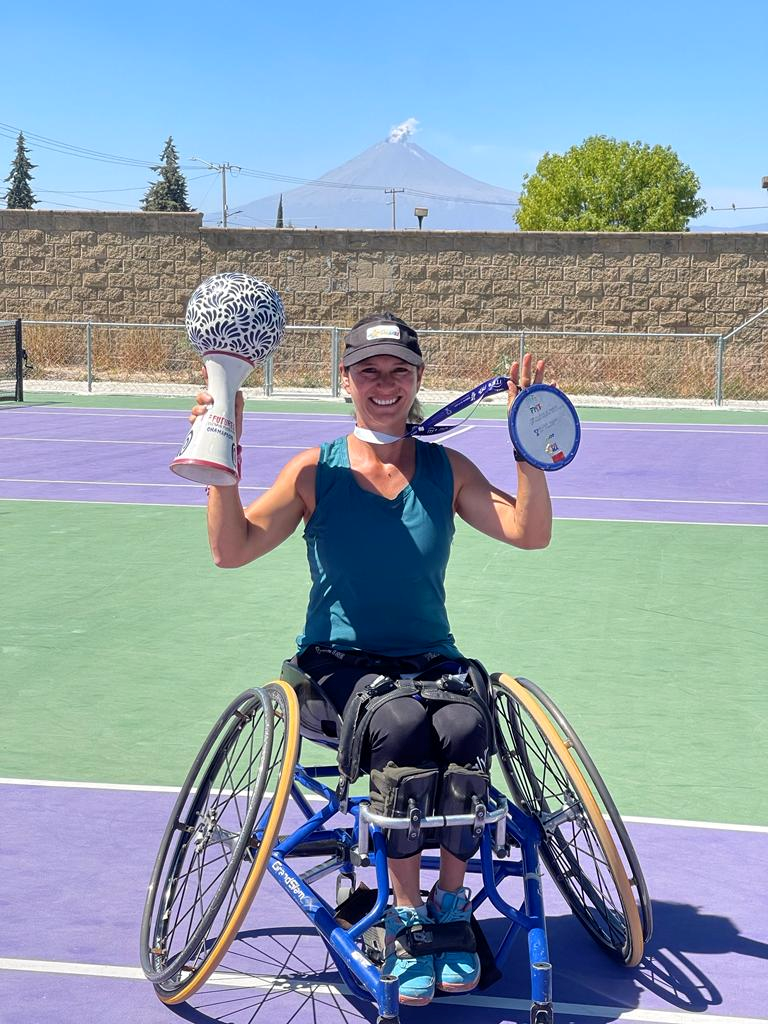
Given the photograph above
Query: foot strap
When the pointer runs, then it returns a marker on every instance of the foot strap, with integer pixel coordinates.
(429, 939)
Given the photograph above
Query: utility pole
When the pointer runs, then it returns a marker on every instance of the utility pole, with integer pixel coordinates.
(393, 192)
(222, 169)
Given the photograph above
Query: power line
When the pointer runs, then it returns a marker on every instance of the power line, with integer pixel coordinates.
(9, 131)
(83, 153)
(734, 207)
(104, 191)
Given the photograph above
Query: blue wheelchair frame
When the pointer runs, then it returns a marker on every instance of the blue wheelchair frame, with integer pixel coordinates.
(515, 836)
(362, 976)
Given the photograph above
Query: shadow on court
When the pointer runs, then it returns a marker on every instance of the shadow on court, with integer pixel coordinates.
(294, 980)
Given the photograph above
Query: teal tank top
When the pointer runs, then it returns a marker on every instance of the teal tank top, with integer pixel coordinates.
(378, 565)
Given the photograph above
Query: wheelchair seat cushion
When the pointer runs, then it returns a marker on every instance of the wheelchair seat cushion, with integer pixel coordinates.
(318, 718)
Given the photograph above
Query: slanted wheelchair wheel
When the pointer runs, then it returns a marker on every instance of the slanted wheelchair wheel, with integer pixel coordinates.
(551, 777)
(218, 840)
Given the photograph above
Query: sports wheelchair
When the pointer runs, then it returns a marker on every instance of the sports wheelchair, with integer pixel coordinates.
(224, 835)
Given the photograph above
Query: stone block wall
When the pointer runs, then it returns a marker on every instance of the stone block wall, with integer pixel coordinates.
(142, 267)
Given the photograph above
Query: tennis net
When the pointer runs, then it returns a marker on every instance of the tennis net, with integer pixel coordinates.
(11, 361)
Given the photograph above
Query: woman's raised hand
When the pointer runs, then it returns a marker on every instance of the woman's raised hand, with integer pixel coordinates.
(204, 402)
(522, 375)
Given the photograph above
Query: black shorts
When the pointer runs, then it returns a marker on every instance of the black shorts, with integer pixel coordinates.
(407, 731)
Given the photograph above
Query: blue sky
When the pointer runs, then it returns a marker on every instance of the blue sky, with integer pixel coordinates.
(297, 88)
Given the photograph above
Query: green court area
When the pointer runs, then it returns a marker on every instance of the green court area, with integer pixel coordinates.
(121, 642)
(494, 409)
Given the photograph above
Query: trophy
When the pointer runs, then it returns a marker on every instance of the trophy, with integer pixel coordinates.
(234, 321)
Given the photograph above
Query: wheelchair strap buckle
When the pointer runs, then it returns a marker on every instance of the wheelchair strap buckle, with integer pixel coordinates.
(455, 684)
(430, 939)
(380, 686)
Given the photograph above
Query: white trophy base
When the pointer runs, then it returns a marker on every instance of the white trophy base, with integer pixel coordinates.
(209, 453)
(210, 474)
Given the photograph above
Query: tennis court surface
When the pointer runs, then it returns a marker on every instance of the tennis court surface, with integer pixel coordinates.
(121, 643)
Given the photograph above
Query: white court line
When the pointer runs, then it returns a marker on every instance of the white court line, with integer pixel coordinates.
(681, 823)
(108, 483)
(119, 786)
(327, 417)
(176, 414)
(556, 497)
(167, 444)
(309, 988)
(135, 788)
(560, 519)
(119, 504)
(657, 501)
(730, 432)
(725, 430)
(440, 439)
(650, 522)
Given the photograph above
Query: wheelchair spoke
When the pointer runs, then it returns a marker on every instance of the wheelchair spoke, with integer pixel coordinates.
(197, 900)
(576, 844)
(208, 869)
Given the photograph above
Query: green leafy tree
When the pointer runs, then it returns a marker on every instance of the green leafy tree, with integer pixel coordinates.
(607, 185)
(279, 221)
(19, 195)
(169, 193)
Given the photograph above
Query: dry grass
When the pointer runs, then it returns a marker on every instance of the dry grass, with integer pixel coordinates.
(613, 366)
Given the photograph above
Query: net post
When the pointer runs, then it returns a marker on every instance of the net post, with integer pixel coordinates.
(719, 364)
(89, 355)
(521, 351)
(269, 380)
(19, 362)
(335, 350)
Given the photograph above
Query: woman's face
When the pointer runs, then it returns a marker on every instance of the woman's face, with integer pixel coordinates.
(383, 389)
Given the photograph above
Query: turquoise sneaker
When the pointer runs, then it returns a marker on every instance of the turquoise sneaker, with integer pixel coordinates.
(415, 974)
(454, 972)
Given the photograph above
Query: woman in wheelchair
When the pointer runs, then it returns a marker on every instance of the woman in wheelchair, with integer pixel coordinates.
(378, 511)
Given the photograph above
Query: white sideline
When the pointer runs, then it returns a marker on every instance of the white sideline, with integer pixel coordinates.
(308, 988)
(154, 444)
(201, 504)
(108, 483)
(135, 788)
(243, 487)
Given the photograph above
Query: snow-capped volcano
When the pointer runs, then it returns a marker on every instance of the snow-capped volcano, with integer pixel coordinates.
(354, 194)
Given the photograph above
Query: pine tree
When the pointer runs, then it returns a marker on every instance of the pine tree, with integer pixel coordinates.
(279, 222)
(19, 195)
(170, 192)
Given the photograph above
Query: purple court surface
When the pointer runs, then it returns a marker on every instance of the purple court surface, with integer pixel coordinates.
(669, 472)
(75, 861)
(72, 908)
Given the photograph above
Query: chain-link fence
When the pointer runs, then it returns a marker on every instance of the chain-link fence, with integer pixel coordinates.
(598, 366)
(630, 366)
(744, 360)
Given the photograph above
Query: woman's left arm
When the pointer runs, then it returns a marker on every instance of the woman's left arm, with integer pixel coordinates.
(525, 520)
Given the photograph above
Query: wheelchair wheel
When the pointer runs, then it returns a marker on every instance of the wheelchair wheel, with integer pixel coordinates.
(608, 808)
(551, 777)
(218, 840)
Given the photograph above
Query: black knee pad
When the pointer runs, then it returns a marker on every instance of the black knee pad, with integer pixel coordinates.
(461, 789)
(400, 792)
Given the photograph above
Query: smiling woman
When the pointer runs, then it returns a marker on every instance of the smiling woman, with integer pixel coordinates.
(378, 509)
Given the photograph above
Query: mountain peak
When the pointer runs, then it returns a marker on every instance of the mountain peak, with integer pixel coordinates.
(384, 184)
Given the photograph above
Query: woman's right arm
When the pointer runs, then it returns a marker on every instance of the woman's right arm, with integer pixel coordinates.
(237, 535)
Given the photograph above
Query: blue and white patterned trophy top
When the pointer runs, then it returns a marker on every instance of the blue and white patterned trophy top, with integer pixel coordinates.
(235, 314)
